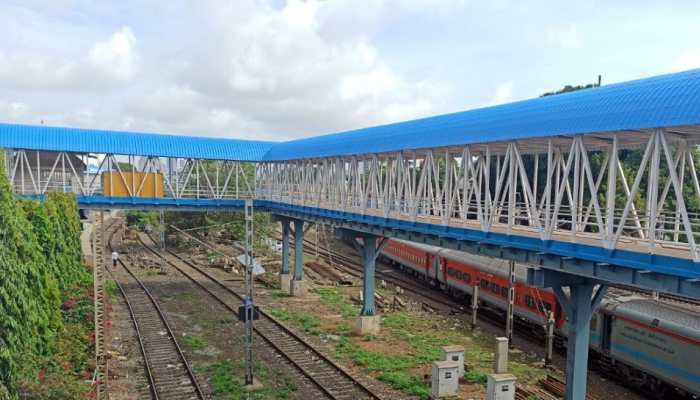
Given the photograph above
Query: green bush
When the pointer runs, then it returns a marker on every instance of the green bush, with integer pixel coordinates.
(43, 302)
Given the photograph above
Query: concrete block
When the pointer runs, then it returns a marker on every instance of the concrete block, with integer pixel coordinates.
(445, 379)
(368, 325)
(456, 354)
(500, 362)
(286, 283)
(298, 288)
(500, 387)
(256, 385)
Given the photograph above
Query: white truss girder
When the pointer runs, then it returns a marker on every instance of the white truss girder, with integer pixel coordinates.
(554, 191)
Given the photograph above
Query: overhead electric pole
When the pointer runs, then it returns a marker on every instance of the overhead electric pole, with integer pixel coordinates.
(248, 304)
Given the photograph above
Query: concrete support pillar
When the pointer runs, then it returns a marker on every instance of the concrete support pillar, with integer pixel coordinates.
(579, 306)
(285, 276)
(369, 322)
(298, 250)
(369, 256)
(285, 246)
(298, 285)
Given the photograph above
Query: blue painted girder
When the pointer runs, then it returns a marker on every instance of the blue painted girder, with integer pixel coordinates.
(657, 272)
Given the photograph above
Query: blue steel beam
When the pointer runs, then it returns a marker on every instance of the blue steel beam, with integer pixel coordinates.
(654, 272)
(668, 274)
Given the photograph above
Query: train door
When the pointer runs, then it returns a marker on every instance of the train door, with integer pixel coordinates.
(437, 267)
(606, 332)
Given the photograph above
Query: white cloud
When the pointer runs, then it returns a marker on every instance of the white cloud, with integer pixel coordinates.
(566, 37)
(689, 59)
(116, 56)
(281, 69)
(503, 94)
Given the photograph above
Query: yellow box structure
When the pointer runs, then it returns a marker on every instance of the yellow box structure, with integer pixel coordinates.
(136, 184)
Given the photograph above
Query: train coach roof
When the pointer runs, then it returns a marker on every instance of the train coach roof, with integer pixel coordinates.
(663, 312)
(487, 264)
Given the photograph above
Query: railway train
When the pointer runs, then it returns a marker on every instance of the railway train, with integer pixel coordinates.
(647, 343)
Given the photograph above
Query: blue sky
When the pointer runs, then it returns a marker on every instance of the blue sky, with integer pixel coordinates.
(278, 69)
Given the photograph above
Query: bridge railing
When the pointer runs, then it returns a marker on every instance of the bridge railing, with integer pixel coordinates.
(37, 173)
(634, 191)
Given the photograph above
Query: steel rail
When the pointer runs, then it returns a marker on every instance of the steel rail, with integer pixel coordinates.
(161, 315)
(278, 324)
(149, 374)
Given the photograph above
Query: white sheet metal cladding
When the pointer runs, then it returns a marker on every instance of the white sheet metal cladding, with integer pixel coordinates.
(572, 189)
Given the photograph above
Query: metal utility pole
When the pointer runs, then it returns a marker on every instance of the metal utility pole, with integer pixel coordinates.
(162, 240)
(248, 301)
(511, 302)
(99, 294)
(550, 338)
(475, 305)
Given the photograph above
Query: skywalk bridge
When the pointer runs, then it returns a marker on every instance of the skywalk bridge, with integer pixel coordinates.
(592, 187)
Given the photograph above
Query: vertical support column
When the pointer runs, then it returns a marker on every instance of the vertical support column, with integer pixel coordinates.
(298, 286)
(298, 250)
(368, 260)
(368, 322)
(578, 334)
(285, 276)
(579, 308)
(511, 302)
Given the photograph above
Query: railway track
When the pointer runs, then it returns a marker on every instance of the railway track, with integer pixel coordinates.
(168, 373)
(328, 376)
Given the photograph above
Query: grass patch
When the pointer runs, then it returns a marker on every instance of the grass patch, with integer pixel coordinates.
(309, 323)
(393, 370)
(227, 381)
(111, 288)
(337, 300)
(194, 342)
(278, 294)
(474, 376)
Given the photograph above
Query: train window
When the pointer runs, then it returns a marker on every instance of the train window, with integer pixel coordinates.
(530, 302)
(484, 284)
(504, 291)
(495, 288)
(467, 278)
(594, 323)
(546, 306)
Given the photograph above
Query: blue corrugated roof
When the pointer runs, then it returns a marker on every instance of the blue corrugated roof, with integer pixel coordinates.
(661, 101)
(115, 142)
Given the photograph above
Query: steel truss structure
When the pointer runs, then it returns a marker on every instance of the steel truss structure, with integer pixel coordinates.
(182, 177)
(567, 188)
